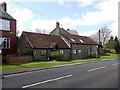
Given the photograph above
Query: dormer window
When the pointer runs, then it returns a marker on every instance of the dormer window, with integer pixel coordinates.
(72, 40)
(81, 40)
(4, 25)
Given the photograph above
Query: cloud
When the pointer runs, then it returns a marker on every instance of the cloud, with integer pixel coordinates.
(61, 2)
(114, 28)
(84, 3)
(22, 15)
(107, 11)
(47, 25)
(87, 33)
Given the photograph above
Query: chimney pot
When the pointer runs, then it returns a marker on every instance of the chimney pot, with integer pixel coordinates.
(57, 24)
(3, 5)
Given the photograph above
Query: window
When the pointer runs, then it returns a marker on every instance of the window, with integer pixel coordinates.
(61, 51)
(43, 52)
(4, 25)
(1, 40)
(72, 40)
(81, 40)
(79, 51)
(4, 43)
(74, 51)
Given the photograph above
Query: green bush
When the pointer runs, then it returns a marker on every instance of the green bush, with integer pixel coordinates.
(57, 55)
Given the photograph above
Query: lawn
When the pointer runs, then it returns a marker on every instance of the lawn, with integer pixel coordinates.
(9, 67)
(54, 63)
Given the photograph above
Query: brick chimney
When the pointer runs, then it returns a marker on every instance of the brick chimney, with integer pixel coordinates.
(57, 24)
(3, 5)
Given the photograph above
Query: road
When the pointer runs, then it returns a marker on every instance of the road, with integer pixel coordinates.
(99, 74)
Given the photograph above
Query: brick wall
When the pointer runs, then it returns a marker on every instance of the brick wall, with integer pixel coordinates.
(19, 59)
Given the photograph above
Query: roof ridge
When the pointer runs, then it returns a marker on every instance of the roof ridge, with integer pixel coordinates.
(75, 35)
(39, 33)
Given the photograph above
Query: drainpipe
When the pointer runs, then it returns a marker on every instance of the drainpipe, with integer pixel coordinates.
(99, 44)
(70, 51)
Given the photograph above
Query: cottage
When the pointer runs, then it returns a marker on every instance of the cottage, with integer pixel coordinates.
(42, 45)
(80, 46)
(71, 45)
(58, 30)
(7, 31)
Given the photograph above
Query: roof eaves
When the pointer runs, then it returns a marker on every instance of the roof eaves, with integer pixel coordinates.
(29, 41)
(65, 41)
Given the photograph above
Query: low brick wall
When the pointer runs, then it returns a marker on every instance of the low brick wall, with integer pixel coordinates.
(19, 59)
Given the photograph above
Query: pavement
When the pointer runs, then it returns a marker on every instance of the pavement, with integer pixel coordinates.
(27, 69)
(98, 74)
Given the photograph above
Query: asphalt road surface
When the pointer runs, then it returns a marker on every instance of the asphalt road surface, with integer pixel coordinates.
(99, 74)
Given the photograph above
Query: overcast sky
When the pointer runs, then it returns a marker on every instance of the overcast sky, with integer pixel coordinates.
(85, 16)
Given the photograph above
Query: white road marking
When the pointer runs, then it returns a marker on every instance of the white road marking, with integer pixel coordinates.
(50, 80)
(68, 76)
(115, 64)
(96, 68)
(102, 67)
(93, 69)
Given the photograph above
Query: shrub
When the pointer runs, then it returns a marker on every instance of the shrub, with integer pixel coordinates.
(108, 51)
(57, 55)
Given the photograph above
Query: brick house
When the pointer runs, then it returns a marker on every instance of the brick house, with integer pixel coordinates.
(7, 31)
(41, 45)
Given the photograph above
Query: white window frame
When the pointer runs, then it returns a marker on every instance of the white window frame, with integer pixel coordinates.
(4, 25)
(61, 51)
(74, 51)
(72, 39)
(81, 40)
(5, 41)
(79, 51)
(43, 52)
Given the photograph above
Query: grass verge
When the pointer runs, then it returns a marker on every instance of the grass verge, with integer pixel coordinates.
(54, 63)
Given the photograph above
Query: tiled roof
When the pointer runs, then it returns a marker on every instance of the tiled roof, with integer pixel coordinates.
(4, 14)
(78, 39)
(73, 32)
(44, 41)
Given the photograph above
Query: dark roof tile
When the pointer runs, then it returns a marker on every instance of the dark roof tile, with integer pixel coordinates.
(79, 39)
(44, 41)
(4, 14)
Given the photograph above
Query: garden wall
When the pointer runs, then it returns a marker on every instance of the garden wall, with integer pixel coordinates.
(19, 59)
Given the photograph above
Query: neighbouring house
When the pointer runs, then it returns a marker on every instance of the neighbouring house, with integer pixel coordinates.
(80, 46)
(58, 30)
(71, 45)
(7, 31)
(41, 45)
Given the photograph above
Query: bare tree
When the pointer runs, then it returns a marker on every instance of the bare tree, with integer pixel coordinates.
(95, 37)
(17, 33)
(105, 34)
(40, 30)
